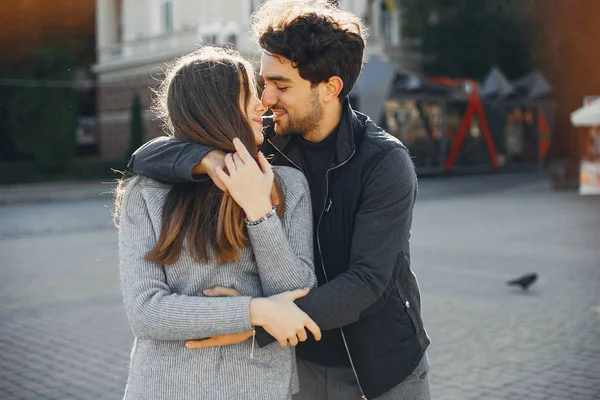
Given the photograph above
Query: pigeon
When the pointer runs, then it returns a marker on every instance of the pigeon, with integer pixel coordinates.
(524, 282)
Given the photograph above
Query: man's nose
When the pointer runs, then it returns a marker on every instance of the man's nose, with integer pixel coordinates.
(268, 98)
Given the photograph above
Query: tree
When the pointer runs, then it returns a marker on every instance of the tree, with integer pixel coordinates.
(42, 117)
(465, 38)
(136, 136)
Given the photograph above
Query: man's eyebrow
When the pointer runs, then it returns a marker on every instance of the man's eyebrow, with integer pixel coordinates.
(278, 78)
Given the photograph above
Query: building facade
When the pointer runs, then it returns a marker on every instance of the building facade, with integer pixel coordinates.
(136, 38)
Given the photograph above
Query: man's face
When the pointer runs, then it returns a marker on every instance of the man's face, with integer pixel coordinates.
(297, 107)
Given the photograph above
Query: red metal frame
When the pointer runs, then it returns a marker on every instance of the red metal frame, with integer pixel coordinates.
(544, 134)
(474, 107)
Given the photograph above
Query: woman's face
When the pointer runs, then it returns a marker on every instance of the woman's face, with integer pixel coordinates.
(254, 112)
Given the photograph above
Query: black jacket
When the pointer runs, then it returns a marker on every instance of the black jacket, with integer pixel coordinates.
(363, 233)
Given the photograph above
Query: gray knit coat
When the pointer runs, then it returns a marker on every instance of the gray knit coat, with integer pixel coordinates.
(165, 305)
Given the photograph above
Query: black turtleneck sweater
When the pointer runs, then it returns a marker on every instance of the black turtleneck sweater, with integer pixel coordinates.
(316, 159)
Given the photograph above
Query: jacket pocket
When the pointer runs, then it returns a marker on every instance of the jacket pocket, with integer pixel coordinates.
(401, 282)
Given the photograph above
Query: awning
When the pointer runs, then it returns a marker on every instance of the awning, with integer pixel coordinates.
(373, 86)
(587, 116)
(496, 85)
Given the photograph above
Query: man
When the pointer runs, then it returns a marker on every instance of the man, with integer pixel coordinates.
(363, 187)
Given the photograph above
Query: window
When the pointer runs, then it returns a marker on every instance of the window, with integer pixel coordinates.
(119, 7)
(166, 16)
(254, 5)
(385, 22)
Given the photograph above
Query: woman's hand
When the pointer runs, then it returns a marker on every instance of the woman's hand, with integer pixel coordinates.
(249, 183)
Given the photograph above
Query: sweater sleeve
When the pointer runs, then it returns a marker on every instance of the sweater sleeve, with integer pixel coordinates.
(169, 160)
(284, 249)
(153, 310)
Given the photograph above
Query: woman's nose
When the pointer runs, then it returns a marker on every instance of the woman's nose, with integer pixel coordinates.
(260, 108)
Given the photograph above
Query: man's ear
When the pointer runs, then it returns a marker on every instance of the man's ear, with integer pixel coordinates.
(332, 89)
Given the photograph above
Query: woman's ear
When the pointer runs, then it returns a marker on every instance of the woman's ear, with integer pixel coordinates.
(332, 89)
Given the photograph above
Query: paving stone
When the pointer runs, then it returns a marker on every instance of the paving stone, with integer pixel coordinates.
(62, 320)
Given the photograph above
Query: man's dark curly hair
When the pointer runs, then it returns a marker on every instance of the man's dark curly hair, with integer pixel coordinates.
(319, 39)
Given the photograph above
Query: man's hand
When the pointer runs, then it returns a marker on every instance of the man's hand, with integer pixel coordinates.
(282, 319)
(221, 340)
(278, 315)
(212, 161)
(220, 291)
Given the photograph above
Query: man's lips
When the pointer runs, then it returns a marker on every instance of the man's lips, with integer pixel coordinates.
(278, 114)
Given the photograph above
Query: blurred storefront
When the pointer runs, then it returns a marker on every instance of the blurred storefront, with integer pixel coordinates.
(587, 119)
(456, 124)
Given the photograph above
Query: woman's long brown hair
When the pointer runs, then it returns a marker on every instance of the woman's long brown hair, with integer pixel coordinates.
(199, 101)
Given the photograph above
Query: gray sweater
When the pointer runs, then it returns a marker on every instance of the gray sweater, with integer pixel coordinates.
(165, 305)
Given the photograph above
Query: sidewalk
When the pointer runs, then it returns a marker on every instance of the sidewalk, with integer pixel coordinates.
(55, 191)
(431, 187)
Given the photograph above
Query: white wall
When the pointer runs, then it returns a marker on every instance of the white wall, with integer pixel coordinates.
(143, 38)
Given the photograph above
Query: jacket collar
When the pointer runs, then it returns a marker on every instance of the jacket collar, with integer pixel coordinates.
(345, 141)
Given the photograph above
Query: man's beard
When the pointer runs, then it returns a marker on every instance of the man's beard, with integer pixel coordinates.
(305, 123)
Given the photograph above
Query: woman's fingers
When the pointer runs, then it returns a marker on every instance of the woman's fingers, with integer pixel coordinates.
(230, 164)
(243, 153)
(238, 161)
(240, 148)
(223, 177)
(264, 164)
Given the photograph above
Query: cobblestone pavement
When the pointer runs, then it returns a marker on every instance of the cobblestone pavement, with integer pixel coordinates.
(64, 335)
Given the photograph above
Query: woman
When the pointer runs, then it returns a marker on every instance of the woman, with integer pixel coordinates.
(177, 240)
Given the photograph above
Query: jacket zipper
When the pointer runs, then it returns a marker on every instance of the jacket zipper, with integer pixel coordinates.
(286, 157)
(326, 209)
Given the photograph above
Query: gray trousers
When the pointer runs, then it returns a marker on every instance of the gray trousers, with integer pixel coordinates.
(322, 383)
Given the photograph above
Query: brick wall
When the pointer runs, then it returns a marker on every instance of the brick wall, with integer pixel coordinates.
(570, 55)
(114, 115)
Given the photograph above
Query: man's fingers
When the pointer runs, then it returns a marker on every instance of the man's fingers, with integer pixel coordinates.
(221, 340)
(283, 343)
(293, 340)
(220, 291)
(313, 328)
(200, 344)
(302, 335)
